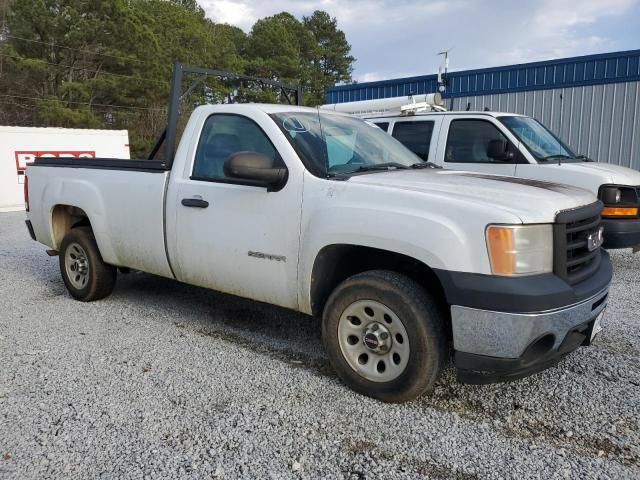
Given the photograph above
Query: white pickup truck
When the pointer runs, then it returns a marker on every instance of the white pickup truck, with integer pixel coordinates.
(507, 144)
(327, 215)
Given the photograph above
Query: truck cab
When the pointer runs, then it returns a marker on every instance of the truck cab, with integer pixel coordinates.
(510, 144)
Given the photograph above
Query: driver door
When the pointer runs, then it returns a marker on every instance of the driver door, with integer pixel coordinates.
(469, 144)
(229, 235)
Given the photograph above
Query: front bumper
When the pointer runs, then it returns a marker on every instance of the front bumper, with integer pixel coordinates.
(496, 346)
(621, 233)
(506, 328)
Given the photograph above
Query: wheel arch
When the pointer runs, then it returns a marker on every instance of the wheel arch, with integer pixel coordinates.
(337, 262)
(63, 219)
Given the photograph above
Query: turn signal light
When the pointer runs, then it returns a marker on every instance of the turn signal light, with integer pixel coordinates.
(500, 243)
(520, 249)
(620, 212)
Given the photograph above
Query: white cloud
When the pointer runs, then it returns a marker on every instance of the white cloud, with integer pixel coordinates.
(240, 14)
(556, 29)
(369, 77)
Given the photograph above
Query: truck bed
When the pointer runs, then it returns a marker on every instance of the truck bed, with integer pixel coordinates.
(151, 166)
(123, 200)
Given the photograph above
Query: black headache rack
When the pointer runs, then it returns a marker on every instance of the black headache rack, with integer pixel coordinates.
(168, 136)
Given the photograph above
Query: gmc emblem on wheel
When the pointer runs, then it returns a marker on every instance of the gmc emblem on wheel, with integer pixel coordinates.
(595, 240)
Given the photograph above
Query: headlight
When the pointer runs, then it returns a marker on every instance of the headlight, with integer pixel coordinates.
(520, 249)
(619, 201)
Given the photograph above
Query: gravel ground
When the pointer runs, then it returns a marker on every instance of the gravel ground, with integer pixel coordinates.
(164, 380)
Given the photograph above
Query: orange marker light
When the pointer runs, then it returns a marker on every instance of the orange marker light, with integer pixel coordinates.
(501, 245)
(620, 212)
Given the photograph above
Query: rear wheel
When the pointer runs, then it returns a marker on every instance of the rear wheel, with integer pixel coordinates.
(384, 335)
(84, 273)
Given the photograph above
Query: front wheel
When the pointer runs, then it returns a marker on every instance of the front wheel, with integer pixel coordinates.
(84, 273)
(385, 335)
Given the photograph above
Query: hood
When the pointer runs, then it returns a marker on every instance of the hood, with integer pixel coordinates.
(589, 175)
(532, 201)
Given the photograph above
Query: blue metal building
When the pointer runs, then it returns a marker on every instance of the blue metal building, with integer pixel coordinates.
(592, 102)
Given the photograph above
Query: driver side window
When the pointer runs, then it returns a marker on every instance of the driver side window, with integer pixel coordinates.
(469, 141)
(224, 135)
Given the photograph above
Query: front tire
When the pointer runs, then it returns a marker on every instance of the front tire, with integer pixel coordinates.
(384, 335)
(85, 274)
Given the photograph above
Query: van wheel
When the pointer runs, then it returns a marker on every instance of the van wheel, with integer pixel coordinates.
(84, 273)
(384, 335)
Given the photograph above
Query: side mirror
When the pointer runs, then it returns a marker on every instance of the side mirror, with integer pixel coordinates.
(255, 167)
(499, 150)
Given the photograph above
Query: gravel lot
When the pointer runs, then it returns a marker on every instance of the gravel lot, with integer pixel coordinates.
(164, 380)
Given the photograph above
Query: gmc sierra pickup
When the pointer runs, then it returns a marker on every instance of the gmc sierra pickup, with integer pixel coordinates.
(326, 214)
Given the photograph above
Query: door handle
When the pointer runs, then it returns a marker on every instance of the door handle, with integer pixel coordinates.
(195, 202)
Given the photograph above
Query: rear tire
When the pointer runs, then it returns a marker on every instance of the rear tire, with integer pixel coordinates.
(85, 274)
(392, 348)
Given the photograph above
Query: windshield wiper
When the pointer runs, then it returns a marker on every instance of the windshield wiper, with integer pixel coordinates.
(584, 158)
(381, 167)
(425, 165)
(558, 156)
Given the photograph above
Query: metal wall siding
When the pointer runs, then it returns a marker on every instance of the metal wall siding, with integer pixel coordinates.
(600, 121)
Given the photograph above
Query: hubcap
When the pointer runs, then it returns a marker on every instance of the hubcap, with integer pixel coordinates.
(373, 340)
(377, 338)
(76, 265)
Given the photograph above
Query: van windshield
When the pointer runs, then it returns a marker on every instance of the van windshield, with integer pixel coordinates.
(542, 144)
(333, 145)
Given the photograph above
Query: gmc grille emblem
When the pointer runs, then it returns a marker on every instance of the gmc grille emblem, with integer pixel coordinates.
(595, 240)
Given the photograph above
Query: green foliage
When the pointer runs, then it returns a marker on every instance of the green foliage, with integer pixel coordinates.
(107, 63)
(330, 60)
(54, 112)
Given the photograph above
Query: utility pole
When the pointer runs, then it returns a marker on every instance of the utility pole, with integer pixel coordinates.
(442, 76)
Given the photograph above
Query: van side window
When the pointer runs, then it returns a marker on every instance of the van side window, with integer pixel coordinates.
(468, 141)
(222, 136)
(416, 136)
(383, 125)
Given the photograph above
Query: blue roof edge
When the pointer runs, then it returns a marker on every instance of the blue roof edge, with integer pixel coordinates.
(538, 64)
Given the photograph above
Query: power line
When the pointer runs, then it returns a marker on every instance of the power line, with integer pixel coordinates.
(100, 72)
(57, 45)
(84, 103)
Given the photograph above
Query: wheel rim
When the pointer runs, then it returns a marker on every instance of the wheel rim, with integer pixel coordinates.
(373, 340)
(76, 264)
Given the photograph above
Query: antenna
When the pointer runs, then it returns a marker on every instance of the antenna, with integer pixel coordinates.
(442, 77)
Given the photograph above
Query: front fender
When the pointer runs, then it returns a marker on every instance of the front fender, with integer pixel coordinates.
(429, 237)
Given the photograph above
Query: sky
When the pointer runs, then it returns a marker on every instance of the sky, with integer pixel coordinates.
(400, 38)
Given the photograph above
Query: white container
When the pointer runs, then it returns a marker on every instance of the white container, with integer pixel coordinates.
(20, 145)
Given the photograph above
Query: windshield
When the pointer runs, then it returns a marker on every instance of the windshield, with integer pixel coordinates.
(331, 144)
(542, 144)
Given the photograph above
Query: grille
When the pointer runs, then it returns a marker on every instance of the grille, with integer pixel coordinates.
(572, 259)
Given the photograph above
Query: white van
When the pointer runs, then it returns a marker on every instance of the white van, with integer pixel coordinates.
(507, 144)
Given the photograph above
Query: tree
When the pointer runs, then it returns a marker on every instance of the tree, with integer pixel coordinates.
(331, 60)
(313, 53)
